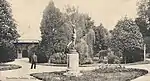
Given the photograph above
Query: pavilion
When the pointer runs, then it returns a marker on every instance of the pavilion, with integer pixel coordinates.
(24, 45)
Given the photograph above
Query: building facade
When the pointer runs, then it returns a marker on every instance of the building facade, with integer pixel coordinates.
(23, 47)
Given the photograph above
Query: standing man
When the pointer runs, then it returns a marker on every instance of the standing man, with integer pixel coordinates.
(33, 61)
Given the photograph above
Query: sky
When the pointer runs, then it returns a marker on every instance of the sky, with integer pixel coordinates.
(28, 13)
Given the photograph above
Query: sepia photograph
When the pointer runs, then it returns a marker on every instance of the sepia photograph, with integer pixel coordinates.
(74, 40)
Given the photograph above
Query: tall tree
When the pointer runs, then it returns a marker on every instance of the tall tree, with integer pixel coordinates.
(8, 33)
(85, 33)
(50, 29)
(143, 19)
(100, 38)
(126, 35)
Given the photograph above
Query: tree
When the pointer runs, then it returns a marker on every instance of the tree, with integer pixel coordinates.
(85, 33)
(143, 19)
(50, 26)
(126, 36)
(100, 38)
(8, 33)
(56, 30)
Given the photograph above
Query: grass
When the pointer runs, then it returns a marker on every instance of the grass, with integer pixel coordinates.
(139, 63)
(4, 67)
(95, 64)
(51, 64)
(101, 74)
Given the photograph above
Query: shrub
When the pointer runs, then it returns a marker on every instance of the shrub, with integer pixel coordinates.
(105, 60)
(133, 55)
(113, 59)
(82, 49)
(41, 56)
(95, 58)
(58, 58)
(117, 61)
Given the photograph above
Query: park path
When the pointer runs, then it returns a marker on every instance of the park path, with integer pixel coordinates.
(142, 66)
(23, 74)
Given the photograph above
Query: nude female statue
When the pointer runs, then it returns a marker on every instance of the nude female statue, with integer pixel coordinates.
(71, 45)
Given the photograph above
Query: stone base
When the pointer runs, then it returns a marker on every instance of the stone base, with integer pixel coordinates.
(73, 64)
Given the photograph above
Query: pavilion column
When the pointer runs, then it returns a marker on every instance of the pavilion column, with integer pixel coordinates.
(19, 53)
(144, 52)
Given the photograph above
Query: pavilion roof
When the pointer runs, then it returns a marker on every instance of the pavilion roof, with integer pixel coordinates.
(27, 41)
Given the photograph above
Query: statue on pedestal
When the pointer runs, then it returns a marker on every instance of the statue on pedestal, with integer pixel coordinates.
(72, 56)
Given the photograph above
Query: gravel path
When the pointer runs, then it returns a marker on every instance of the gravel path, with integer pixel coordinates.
(23, 74)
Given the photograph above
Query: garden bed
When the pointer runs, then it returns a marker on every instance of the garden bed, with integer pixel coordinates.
(4, 67)
(102, 74)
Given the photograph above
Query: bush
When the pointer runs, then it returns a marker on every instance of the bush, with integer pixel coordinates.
(95, 59)
(58, 58)
(112, 59)
(82, 49)
(88, 61)
(105, 60)
(133, 55)
(41, 56)
(117, 61)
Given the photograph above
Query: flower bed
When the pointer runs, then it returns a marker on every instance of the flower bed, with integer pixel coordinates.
(101, 74)
(4, 67)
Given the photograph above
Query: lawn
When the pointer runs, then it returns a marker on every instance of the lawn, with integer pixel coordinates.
(4, 67)
(101, 74)
(95, 64)
(139, 63)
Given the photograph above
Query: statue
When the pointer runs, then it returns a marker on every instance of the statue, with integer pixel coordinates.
(71, 45)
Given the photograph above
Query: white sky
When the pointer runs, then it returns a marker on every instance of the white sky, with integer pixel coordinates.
(29, 12)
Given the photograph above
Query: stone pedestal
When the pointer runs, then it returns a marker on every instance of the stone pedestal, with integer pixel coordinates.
(73, 64)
